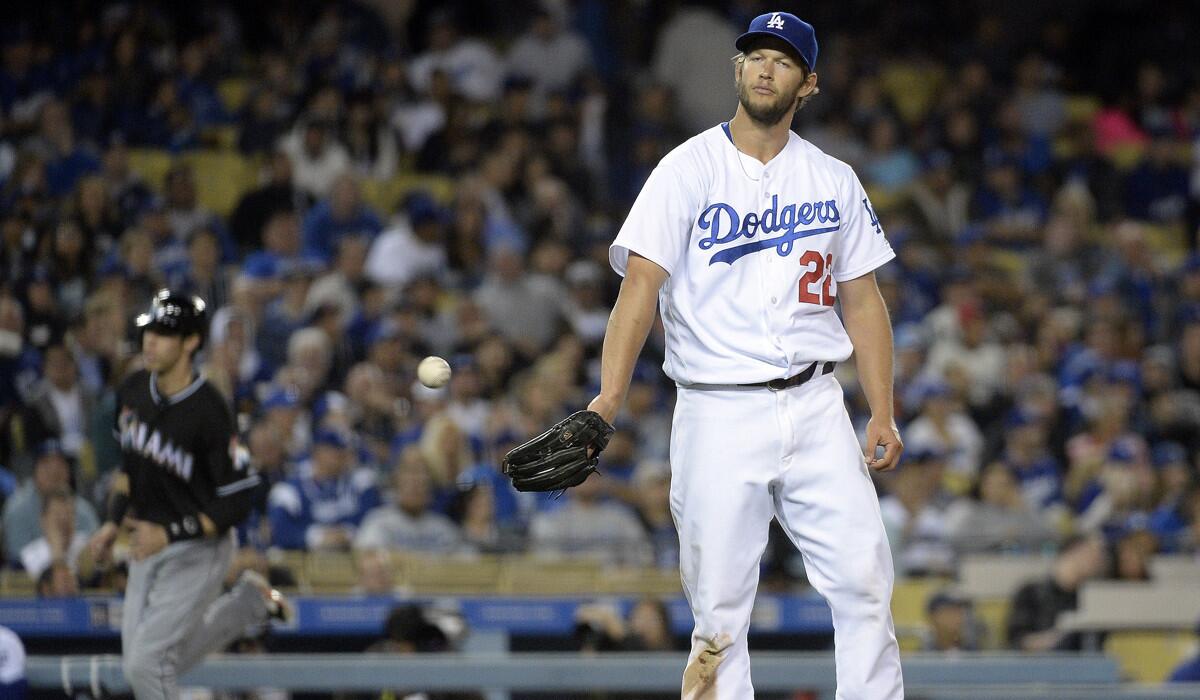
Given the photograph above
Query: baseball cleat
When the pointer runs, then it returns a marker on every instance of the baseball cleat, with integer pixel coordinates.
(278, 606)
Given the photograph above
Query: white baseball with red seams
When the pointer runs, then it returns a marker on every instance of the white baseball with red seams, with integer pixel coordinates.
(754, 254)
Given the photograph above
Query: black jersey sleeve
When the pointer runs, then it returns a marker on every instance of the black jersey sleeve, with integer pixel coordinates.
(234, 480)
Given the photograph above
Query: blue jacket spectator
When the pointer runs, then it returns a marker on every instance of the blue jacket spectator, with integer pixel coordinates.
(323, 505)
(342, 214)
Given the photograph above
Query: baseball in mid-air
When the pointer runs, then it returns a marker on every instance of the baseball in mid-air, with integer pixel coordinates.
(433, 372)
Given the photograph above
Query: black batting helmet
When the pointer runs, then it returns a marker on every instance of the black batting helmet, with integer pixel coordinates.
(175, 313)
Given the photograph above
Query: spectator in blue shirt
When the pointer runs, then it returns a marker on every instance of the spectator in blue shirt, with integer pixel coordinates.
(343, 213)
(1157, 190)
(1188, 671)
(1025, 452)
(323, 505)
(66, 159)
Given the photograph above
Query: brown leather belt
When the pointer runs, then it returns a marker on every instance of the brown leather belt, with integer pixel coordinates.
(795, 379)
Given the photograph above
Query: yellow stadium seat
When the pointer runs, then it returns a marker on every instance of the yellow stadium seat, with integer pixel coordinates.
(151, 164)
(909, 597)
(1081, 108)
(1126, 156)
(534, 576)
(429, 575)
(382, 195)
(386, 196)
(222, 178)
(1149, 657)
(440, 187)
(16, 584)
(912, 88)
(293, 560)
(641, 581)
(993, 613)
(233, 93)
(223, 138)
(330, 572)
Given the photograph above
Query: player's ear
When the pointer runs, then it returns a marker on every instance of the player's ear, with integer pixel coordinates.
(810, 86)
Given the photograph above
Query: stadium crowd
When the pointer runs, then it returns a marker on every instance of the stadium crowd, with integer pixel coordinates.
(1046, 295)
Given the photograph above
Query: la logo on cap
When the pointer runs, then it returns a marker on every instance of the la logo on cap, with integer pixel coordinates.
(776, 22)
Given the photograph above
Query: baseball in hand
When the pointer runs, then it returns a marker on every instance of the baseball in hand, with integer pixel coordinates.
(433, 372)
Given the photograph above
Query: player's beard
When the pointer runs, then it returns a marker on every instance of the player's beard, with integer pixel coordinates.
(771, 113)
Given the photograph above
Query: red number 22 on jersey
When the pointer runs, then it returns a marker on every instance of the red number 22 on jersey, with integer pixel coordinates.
(821, 272)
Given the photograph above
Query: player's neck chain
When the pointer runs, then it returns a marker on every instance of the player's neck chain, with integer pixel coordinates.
(740, 155)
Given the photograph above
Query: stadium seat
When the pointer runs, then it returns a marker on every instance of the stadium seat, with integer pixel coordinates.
(330, 572)
(1081, 108)
(293, 560)
(536, 576)
(223, 138)
(222, 178)
(642, 581)
(151, 164)
(909, 597)
(998, 575)
(1149, 657)
(16, 584)
(431, 575)
(1170, 569)
(386, 196)
(1122, 605)
(1126, 156)
(233, 93)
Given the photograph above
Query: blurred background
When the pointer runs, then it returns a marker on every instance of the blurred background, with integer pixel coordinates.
(355, 185)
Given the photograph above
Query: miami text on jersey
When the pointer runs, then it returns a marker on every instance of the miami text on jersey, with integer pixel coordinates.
(725, 225)
(136, 436)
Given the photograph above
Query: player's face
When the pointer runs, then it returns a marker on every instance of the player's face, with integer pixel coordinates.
(161, 352)
(770, 83)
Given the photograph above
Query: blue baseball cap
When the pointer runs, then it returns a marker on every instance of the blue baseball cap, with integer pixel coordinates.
(1165, 453)
(280, 398)
(798, 34)
(332, 438)
(261, 266)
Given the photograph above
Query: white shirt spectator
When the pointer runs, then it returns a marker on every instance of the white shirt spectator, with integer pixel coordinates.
(475, 70)
(69, 407)
(389, 527)
(416, 122)
(397, 256)
(985, 364)
(961, 441)
(605, 531)
(921, 541)
(35, 556)
(314, 173)
(551, 57)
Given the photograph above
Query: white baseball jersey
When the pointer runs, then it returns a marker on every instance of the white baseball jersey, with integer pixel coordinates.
(754, 253)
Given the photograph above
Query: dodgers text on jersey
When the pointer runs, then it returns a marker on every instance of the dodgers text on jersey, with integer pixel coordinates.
(725, 225)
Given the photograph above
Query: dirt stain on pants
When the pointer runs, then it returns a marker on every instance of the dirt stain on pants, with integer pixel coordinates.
(700, 676)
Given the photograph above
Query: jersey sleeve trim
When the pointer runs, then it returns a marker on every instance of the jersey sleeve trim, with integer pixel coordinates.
(618, 258)
(240, 485)
(865, 268)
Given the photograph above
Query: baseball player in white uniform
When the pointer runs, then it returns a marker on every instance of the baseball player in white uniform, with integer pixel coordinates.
(746, 236)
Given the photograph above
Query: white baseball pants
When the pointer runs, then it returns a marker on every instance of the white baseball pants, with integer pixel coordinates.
(740, 456)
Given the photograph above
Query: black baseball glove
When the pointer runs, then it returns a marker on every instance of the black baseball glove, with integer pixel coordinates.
(561, 457)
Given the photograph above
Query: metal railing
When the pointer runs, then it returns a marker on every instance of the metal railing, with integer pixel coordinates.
(933, 677)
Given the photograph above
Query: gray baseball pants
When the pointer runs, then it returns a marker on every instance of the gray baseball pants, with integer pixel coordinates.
(174, 614)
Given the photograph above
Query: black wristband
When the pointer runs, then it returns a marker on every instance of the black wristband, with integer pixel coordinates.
(118, 504)
(185, 528)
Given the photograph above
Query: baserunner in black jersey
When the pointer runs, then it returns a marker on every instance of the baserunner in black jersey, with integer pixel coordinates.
(184, 484)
